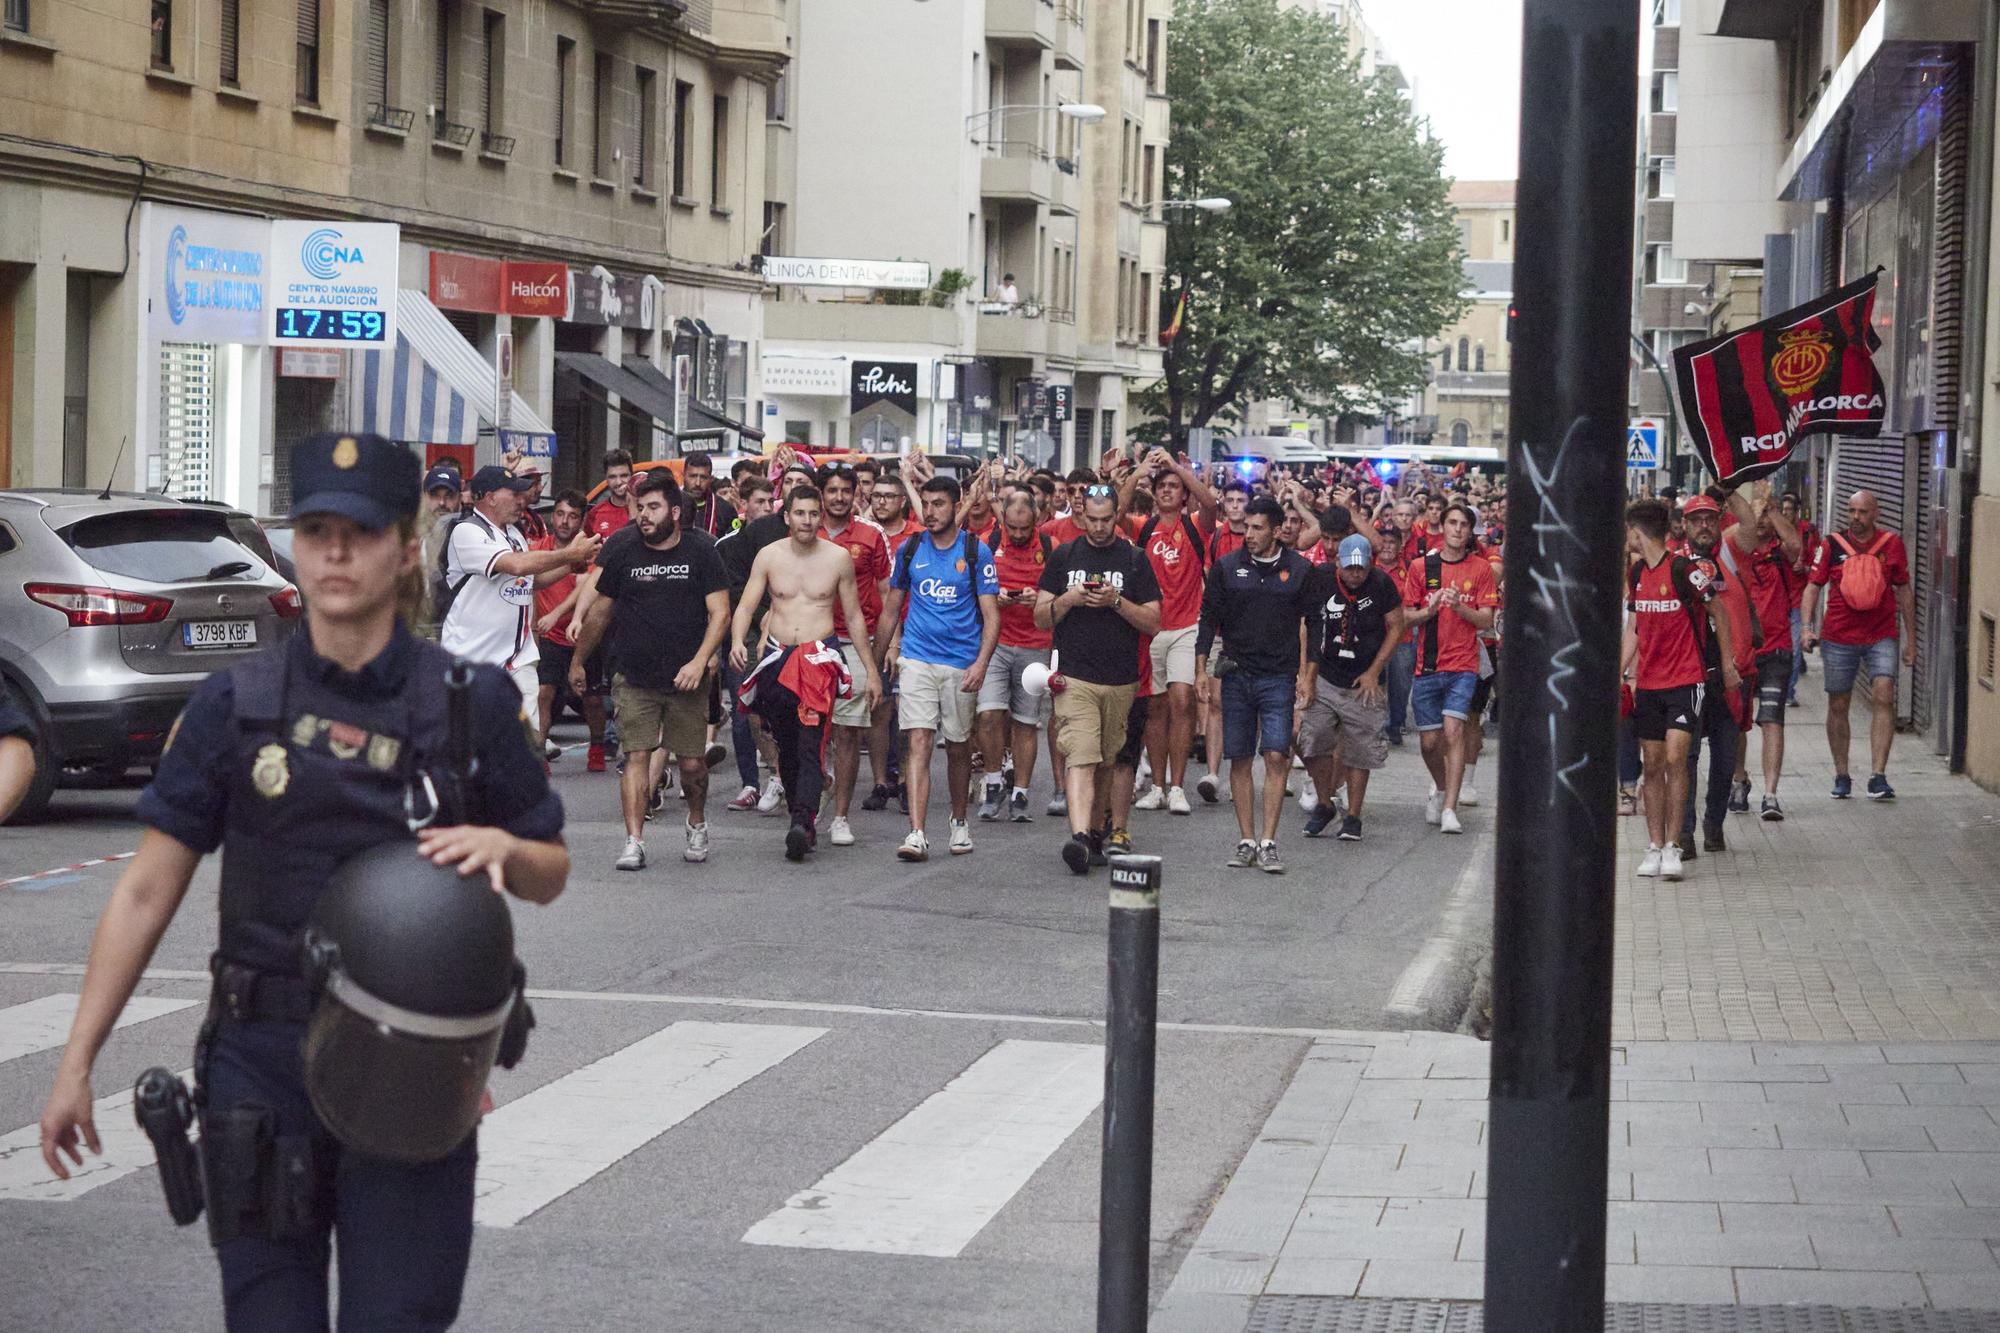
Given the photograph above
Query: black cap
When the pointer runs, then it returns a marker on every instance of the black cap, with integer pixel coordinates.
(443, 478)
(493, 478)
(366, 478)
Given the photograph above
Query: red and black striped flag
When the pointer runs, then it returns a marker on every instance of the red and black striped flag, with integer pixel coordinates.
(1748, 397)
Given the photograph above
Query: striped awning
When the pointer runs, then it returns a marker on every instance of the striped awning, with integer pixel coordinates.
(435, 387)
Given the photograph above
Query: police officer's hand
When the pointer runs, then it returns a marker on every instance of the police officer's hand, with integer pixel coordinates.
(64, 1119)
(688, 679)
(472, 848)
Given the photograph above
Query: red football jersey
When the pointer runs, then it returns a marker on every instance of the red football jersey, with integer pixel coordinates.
(1667, 601)
(1448, 642)
(1020, 567)
(1176, 557)
(870, 550)
(1841, 623)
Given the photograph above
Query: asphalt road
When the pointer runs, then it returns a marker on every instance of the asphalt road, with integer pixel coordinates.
(853, 1094)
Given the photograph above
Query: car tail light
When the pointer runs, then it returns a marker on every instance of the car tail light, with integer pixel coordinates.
(99, 606)
(288, 604)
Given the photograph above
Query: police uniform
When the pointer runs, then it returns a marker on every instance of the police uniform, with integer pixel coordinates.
(292, 765)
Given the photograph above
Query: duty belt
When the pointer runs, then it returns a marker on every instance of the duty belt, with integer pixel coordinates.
(251, 995)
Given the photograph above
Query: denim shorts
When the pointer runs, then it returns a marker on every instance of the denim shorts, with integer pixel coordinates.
(1440, 695)
(1257, 713)
(1845, 660)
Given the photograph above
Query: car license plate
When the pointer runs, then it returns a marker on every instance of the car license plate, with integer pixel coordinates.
(219, 633)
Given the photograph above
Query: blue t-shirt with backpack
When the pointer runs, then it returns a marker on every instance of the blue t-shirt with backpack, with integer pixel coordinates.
(942, 624)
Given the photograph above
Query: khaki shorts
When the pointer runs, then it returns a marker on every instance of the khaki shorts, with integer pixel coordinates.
(1090, 721)
(1337, 722)
(929, 699)
(1173, 657)
(649, 719)
(853, 710)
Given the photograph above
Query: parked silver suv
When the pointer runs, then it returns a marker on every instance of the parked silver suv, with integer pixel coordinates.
(113, 608)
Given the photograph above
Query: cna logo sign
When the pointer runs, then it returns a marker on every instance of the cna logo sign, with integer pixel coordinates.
(177, 241)
(325, 253)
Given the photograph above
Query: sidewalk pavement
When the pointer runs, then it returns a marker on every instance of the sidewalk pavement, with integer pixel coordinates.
(1805, 1129)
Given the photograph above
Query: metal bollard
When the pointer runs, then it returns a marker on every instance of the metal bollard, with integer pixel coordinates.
(1125, 1196)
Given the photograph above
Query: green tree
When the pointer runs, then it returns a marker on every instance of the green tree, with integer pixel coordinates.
(1341, 253)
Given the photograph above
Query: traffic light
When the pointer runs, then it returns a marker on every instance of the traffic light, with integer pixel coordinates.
(1513, 309)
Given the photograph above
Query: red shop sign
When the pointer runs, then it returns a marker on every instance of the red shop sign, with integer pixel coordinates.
(536, 289)
(465, 282)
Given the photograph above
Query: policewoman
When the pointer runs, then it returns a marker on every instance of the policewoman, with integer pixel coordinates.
(293, 763)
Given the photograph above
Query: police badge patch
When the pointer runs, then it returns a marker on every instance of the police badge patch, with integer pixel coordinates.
(382, 752)
(271, 773)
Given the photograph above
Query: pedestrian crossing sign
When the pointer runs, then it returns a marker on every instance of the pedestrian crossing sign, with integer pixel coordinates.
(1642, 444)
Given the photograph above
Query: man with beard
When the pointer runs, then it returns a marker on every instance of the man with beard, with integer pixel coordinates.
(554, 603)
(1862, 577)
(865, 545)
(795, 685)
(614, 511)
(705, 511)
(1725, 714)
(1010, 718)
(1356, 624)
(664, 598)
(1763, 546)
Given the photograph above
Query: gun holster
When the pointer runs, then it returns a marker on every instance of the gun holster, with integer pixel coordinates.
(165, 1110)
(260, 1183)
(520, 1022)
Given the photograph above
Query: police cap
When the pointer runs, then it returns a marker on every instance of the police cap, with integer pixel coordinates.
(365, 478)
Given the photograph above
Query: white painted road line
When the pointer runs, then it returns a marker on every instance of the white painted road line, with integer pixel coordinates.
(43, 1025)
(930, 1182)
(1411, 996)
(539, 1147)
(126, 1149)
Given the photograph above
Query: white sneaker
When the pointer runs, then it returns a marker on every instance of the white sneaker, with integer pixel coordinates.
(1177, 802)
(697, 843)
(1152, 800)
(633, 857)
(1434, 807)
(961, 837)
(1670, 861)
(1209, 787)
(773, 797)
(840, 833)
(1649, 864)
(1058, 805)
(1467, 793)
(550, 750)
(1448, 822)
(1309, 798)
(916, 847)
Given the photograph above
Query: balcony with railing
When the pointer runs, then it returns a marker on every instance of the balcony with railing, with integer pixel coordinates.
(1069, 47)
(1026, 330)
(1021, 23)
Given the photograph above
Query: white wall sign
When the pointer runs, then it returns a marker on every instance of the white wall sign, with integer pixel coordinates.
(209, 275)
(333, 284)
(905, 275)
(807, 376)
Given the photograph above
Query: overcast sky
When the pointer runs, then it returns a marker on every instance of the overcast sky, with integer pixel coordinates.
(1465, 58)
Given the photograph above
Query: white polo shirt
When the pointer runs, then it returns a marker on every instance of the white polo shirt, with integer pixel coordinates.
(491, 618)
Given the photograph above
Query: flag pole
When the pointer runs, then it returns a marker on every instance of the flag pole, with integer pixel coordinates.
(1548, 1137)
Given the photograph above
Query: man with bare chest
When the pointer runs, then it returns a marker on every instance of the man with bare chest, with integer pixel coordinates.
(800, 673)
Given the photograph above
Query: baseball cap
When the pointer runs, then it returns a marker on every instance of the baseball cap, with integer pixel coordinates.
(441, 475)
(525, 466)
(1701, 504)
(1356, 550)
(365, 478)
(493, 478)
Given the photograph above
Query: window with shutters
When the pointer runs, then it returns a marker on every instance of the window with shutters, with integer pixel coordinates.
(187, 420)
(683, 136)
(600, 117)
(718, 154)
(1988, 649)
(1464, 360)
(307, 89)
(163, 34)
(376, 57)
(565, 81)
(642, 133)
(441, 69)
(16, 16)
(229, 64)
(778, 106)
(493, 86)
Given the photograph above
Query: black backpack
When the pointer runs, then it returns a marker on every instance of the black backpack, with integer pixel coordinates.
(1194, 539)
(908, 553)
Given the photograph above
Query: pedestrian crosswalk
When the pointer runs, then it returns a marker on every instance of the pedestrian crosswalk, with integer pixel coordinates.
(925, 1185)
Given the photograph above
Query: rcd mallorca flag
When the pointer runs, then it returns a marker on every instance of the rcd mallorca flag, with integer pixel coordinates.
(1748, 397)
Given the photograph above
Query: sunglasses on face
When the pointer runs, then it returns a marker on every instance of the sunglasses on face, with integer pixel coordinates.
(1098, 492)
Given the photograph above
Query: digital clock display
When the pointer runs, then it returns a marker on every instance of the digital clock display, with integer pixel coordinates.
(360, 326)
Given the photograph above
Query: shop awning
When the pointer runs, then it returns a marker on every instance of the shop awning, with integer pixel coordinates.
(435, 387)
(635, 394)
(704, 420)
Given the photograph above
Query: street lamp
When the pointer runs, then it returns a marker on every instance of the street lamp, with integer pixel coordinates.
(1211, 204)
(1087, 113)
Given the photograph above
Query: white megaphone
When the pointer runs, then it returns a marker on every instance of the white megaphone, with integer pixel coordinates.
(1039, 680)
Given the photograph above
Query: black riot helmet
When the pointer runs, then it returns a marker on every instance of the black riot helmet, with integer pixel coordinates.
(418, 988)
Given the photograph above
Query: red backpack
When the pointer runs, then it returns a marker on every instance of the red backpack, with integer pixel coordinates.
(1863, 580)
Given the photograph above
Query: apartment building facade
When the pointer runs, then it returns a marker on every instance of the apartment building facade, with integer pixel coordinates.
(1462, 413)
(980, 171)
(576, 190)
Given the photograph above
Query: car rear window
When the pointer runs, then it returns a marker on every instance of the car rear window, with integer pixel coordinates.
(168, 545)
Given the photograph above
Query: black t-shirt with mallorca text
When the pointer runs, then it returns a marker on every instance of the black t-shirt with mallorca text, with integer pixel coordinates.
(661, 611)
(1348, 624)
(1095, 643)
